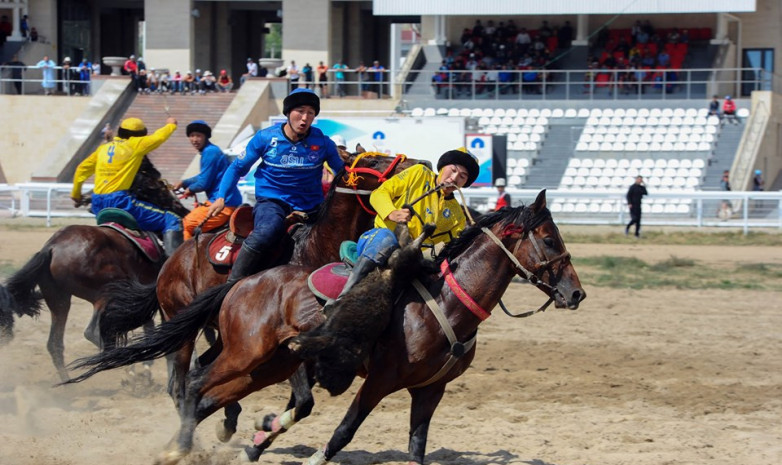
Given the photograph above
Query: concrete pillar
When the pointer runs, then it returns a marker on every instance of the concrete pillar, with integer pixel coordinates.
(16, 34)
(582, 30)
(169, 34)
(305, 34)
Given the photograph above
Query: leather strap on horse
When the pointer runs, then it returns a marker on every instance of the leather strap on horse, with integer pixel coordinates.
(457, 349)
(354, 176)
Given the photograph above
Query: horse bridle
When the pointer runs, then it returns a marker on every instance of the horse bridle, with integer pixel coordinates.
(354, 176)
(544, 264)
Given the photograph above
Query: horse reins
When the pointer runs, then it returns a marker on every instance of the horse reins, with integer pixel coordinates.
(354, 176)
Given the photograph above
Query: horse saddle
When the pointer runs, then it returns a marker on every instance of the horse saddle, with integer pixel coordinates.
(328, 281)
(125, 224)
(224, 247)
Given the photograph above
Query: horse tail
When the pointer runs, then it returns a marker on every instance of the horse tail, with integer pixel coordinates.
(20, 294)
(129, 305)
(166, 338)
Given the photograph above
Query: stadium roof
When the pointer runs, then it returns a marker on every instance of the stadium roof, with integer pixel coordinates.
(557, 7)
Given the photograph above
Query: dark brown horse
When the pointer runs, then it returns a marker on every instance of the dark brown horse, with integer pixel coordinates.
(262, 314)
(80, 261)
(344, 215)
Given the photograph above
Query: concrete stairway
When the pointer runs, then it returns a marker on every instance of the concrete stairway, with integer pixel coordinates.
(724, 154)
(547, 170)
(174, 156)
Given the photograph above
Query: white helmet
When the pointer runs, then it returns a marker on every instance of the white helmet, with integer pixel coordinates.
(339, 141)
(500, 182)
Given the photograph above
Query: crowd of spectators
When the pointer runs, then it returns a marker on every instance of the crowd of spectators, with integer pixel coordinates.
(158, 81)
(642, 57)
(487, 56)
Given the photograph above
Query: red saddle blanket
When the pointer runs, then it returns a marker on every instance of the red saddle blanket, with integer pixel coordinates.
(327, 281)
(145, 241)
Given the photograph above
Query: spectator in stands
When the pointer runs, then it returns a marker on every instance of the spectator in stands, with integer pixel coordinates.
(714, 106)
(141, 64)
(545, 31)
(663, 59)
(757, 181)
(726, 210)
(339, 75)
(24, 26)
(503, 198)
(224, 82)
(635, 30)
(153, 80)
(685, 37)
(523, 41)
(16, 72)
(70, 76)
(47, 82)
(252, 71)
(308, 76)
(362, 77)
(165, 82)
(197, 78)
(642, 37)
(33, 34)
(208, 83)
(85, 75)
(107, 133)
(377, 73)
(141, 81)
(293, 75)
(188, 83)
(131, 67)
(634, 196)
(213, 165)
(176, 82)
(323, 79)
(115, 165)
(729, 110)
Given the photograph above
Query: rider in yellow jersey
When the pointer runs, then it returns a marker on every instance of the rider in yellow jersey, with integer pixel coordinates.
(455, 169)
(115, 164)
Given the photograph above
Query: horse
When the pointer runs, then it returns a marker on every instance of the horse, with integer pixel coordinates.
(420, 350)
(343, 215)
(80, 260)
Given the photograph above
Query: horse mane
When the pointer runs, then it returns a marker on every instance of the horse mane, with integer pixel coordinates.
(521, 215)
(148, 185)
(323, 210)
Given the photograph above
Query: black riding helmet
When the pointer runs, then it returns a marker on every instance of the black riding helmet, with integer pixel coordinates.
(299, 97)
(198, 125)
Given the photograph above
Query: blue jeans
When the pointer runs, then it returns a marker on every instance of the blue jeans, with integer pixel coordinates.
(268, 224)
(377, 245)
(149, 217)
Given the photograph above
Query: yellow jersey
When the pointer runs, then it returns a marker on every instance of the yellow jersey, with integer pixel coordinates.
(115, 164)
(445, 213)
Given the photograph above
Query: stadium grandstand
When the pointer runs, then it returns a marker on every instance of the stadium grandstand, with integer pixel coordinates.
(575, 97)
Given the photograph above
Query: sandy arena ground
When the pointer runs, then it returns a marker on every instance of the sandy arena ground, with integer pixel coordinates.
(649, 377)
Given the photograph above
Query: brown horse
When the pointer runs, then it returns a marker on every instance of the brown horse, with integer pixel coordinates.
(262, 314)
(344, 215)
(80, 261)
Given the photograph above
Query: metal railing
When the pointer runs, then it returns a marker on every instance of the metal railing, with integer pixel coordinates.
(583, 84)
(749, 210)
(30, 80)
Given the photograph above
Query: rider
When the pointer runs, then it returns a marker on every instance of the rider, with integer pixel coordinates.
(287, 180)
(214, 163)
(455, 169)
(115, 165)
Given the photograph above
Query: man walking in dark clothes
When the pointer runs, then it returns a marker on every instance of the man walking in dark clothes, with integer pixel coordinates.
(634, 196)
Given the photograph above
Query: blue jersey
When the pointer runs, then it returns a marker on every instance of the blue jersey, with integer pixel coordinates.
(289, 171)
(214, 164)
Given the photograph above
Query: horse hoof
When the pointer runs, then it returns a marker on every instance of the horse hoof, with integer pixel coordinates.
(171, 457)
(223, 434)
(265, 424)
(249, 455)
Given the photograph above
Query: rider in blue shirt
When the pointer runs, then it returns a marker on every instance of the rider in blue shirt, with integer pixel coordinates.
(288, 178)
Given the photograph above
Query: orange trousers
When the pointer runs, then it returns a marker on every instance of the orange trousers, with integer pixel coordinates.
(199, 214)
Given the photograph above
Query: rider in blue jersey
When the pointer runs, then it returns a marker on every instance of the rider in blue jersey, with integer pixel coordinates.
(288, 178)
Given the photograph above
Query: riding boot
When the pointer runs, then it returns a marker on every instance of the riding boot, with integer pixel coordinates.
(171, 241)
(246, 264)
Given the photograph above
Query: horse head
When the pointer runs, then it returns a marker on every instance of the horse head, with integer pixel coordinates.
(365, 171)
(541, 255)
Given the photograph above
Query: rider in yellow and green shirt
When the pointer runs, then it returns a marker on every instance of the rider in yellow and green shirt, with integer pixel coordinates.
(455, 169)
(115, 165)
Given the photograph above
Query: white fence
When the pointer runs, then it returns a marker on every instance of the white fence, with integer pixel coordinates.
(749, 210)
